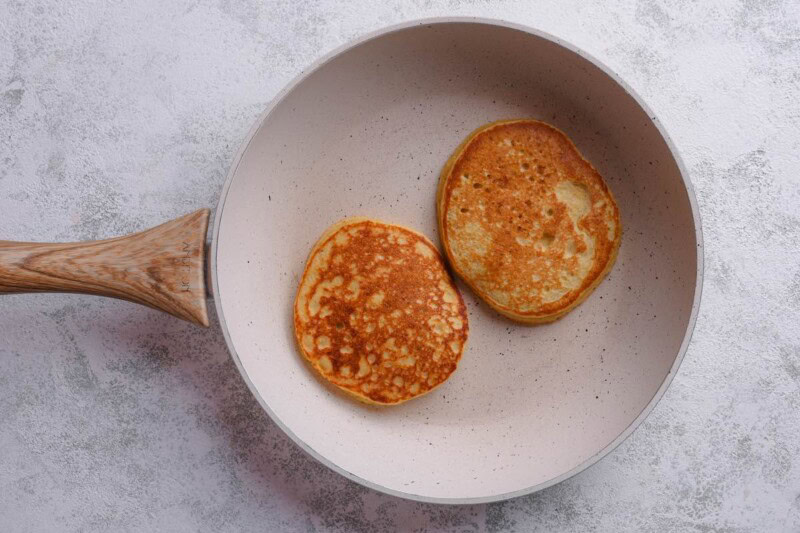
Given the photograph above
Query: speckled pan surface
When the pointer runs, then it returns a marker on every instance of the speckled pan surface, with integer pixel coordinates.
(365, 132)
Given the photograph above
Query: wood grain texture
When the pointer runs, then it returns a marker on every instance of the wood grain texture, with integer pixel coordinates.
(163, 267)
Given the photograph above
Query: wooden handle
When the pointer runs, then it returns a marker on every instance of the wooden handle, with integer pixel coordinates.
(162, 267)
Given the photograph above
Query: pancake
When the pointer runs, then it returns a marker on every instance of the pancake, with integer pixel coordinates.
(377, 313)
(525, 220)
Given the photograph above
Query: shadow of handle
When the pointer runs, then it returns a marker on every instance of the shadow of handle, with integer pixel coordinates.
(162, 267)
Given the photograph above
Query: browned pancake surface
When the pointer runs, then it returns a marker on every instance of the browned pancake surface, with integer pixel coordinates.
(525, 220)
(377, 314)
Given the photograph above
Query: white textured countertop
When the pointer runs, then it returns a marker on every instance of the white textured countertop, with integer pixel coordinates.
(117, 116)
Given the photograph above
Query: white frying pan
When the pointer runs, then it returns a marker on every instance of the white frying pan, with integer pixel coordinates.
(365, 131)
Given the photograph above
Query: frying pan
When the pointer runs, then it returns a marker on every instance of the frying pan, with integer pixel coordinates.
(365, 131)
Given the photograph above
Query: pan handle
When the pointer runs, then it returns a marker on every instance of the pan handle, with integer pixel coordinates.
(162, 267)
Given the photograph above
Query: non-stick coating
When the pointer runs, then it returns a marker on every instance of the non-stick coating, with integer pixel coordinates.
(366, 132)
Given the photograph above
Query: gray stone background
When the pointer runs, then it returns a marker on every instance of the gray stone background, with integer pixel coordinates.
(115, 116)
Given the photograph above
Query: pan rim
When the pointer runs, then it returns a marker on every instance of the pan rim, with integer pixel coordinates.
(651, 404)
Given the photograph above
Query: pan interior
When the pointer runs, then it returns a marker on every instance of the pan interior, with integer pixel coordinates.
(367, 133)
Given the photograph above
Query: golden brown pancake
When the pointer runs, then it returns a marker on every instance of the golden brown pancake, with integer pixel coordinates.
(377, 314)
(525, 220)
